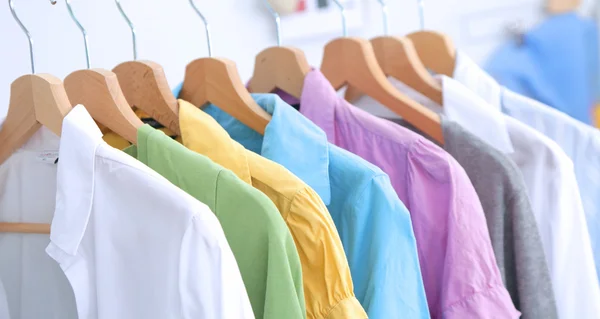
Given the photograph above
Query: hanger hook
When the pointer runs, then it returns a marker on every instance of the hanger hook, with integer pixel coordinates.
(277, 20)
(85, 37)
(131, 27)
(421, 4)
(384, 13)
(206, 27)
(11, 5)
(343, 14)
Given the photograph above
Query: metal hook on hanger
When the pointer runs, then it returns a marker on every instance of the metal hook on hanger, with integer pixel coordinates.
(131, 27)
(11, 5)
(421, 4)
(277, 20)
(206, 27)
(384, 12)
(343, 13)
(83, 32)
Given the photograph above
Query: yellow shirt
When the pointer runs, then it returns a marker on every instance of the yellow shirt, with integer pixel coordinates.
(328, 288)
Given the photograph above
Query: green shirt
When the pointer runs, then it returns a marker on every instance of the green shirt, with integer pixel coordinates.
(259, 238)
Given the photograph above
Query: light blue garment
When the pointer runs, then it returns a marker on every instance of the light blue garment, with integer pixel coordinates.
(557, 64)
(373, 223)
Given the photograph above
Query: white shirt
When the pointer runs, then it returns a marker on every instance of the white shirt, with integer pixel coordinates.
(579, 141)
(552, 188)
(128, 242)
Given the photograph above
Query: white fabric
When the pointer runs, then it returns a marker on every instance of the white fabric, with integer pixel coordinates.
(579, 141)
(489, 126)
(468, 73)
(556, 202)
(34, 285)
(552, 188)
(130, 244)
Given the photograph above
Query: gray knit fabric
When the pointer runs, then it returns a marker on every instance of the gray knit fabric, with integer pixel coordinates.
(511, 223)
(510, 220)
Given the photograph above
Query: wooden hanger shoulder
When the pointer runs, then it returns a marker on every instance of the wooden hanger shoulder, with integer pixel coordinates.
(99, 91)
(352, 61)
(145, 86)
(216, 81)
(398, 58)
(35, 100)
(435, 50)
(280, 68)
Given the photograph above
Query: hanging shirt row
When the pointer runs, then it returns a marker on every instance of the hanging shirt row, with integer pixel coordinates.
(338, 210)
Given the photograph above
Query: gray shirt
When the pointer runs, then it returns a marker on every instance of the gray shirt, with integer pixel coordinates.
(511, 223)
(510, 220)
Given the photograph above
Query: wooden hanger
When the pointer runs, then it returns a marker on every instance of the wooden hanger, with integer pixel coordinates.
(216, 81)
(145, 86)
(35, 100)
(352, 61)
(99, 91)
(436, 51)
(280, 68)
(398, 58)
(562, 6)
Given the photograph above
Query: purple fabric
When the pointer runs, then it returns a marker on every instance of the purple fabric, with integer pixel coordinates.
(459, 269)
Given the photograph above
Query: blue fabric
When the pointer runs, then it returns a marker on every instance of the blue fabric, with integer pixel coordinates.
(373, 224)
(177, 89)
(556, 64)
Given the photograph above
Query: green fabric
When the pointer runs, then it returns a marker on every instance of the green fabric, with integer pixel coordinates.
(259, 238)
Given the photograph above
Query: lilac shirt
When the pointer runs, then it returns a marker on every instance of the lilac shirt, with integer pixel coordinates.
(459, 269)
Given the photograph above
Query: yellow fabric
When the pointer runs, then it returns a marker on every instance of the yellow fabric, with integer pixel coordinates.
(113, 139)
(328, 288)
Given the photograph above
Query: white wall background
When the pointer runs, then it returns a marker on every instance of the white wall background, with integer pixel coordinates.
(171, 34)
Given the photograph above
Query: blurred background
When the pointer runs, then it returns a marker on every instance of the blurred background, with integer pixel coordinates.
(171, 34)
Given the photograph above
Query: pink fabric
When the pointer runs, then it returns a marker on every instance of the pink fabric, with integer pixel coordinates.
(459, 269)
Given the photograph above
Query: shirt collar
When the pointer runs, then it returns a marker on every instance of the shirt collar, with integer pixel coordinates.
(469, 74)
(202, 134)
(318, 102)
(475, 115)
(79, 140)
(290, 140)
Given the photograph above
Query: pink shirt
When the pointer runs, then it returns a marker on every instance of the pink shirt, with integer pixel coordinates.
(459, 269)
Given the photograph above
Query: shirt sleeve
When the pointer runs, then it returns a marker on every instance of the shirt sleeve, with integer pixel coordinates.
(210, 282)
(380, 241)
(461, 277)
(567, 244)
(526, 268)
(328, 288)
(264, 250)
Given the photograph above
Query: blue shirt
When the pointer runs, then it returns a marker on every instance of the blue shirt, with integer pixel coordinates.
(373, 223)
(557, 64)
